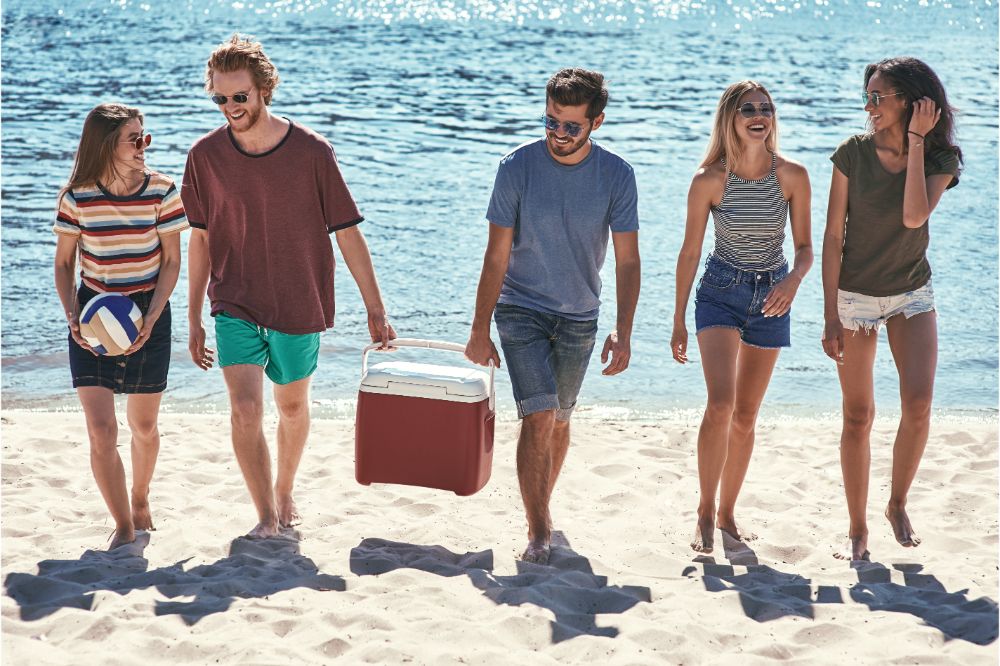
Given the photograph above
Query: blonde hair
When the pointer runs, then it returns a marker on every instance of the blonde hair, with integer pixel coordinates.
(244, 53)
(724, 142)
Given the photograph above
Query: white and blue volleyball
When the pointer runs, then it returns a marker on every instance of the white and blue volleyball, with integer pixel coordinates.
(110, 323)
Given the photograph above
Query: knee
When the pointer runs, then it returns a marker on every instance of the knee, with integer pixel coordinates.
(539, 422)
(859, 417)
(144, 428)
(917, 405)
(293, 410)
(103, 436)
(246, 411)
(719, 411)
(744, 418)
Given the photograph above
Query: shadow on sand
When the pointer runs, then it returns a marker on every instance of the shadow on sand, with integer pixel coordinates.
(253, 569)
(768, 594)
(567, 586)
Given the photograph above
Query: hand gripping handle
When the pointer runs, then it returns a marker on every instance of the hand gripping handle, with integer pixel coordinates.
(426, 344)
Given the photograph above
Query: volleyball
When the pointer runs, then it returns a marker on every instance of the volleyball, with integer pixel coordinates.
(110, 323)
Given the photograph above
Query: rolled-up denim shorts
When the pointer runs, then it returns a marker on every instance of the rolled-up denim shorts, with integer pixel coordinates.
(858, 311)
(547, 357)
(731, 297)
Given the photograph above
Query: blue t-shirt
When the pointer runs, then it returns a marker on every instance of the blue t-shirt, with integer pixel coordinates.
(561, 215)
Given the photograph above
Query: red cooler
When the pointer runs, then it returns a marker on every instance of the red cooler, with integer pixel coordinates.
(424, 425)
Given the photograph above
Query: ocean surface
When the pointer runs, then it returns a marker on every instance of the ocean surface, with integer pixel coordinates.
(420, 101)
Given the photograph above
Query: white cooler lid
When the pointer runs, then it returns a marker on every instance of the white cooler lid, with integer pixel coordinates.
(424, 380)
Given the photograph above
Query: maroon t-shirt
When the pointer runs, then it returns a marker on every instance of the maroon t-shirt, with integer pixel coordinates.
(268, 219)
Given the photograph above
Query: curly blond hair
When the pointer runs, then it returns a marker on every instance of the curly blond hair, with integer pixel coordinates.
(244, 53)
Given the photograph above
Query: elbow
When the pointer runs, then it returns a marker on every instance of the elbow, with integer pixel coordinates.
(914, 221)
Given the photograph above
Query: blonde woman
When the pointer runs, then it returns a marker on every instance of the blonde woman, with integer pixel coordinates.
(744, 298)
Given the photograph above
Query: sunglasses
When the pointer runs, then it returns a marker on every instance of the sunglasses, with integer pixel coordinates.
(572, 129)
(875, 97)
(239, 98)
(140, 142)
(748, 110)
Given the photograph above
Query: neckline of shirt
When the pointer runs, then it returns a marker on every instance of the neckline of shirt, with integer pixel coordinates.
(569, 167)
(125, 197)
(774, 164)
(236, 145)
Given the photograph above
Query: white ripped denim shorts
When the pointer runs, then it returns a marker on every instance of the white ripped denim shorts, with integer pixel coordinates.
(861, 312)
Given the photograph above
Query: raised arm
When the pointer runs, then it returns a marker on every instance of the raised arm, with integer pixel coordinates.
(480, 348)
(699, 204)
(920, 193)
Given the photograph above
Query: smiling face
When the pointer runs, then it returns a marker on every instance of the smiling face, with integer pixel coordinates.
(241, 117)
(126, 157)
(757, 128)
(890, 110)
(563, 147)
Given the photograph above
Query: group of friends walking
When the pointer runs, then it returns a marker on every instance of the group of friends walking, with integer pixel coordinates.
(262, 193)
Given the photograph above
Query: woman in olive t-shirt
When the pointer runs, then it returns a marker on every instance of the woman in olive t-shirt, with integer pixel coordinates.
(884, 187)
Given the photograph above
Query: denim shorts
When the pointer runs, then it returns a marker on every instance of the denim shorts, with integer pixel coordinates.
(858, 311)
(546, 356)
(730, 297)
(285, 357)
(145, 371)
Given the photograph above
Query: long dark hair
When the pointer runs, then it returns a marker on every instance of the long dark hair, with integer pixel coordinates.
(95, 155)
(915, 79)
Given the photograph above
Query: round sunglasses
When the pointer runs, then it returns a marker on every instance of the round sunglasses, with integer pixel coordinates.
(748, 110)
(141, 141)
(239, 98)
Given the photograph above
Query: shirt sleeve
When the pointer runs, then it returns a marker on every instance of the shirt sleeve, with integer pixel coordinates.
(68, 216)
(339, 209)
(170, 218)
(843, 156)
(190, 195)
(625, 205)
(943, 162)
(505, 202)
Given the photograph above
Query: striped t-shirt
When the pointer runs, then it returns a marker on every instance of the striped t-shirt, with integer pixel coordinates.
(119, 237)
(750, 222)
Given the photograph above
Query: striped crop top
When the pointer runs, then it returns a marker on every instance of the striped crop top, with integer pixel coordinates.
(750, 222)
(119, 237)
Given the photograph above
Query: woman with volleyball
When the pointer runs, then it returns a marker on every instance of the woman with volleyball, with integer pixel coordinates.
(886, 183)
(744, 299)
(123, 222)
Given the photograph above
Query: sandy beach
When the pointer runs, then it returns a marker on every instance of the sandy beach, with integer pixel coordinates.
(393, 574)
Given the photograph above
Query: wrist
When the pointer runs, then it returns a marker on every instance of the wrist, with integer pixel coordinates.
(917, 133)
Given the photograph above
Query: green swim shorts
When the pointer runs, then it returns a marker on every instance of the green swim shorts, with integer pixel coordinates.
(285, 358)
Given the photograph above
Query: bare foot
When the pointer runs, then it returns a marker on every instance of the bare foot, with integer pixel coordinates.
(536, 552)
(121, 537)
(288, 513)
(264, 531)
(704, 536)
(856, 549)
(729, 526)
(141, 517)
(901, 527)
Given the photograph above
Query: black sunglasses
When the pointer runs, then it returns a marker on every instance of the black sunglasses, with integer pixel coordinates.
(748, 110)
(239, 98)
(572, 129)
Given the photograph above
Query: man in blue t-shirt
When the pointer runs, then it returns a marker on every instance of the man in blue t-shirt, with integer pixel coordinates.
(554, 203)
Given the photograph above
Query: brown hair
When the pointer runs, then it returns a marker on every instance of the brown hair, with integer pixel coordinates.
(724, 142)
(95, 155)
(244, 53)
(574, 86)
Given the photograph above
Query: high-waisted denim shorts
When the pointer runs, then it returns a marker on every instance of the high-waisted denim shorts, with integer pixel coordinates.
(731, 297)
(858, 311)
(145, 371)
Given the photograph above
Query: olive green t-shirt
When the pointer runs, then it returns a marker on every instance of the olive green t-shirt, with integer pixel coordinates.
(882, 257)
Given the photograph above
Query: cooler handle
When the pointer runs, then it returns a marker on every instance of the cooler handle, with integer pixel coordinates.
(427, 344)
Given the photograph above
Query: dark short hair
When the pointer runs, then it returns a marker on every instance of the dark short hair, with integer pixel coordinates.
(574, 86)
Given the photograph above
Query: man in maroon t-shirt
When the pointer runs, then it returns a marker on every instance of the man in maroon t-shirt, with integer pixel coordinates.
(263, 194)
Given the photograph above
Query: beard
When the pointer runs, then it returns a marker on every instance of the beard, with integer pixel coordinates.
(247, 121)
(567, 149)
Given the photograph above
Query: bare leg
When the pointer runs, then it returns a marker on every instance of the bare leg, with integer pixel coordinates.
(559, 445)
(246, 400)
(102, 428)
(534, 474)
(753, 373)
(143, 410)
(293, 430)
(914, 348)
(858, 390)
(719, 349)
